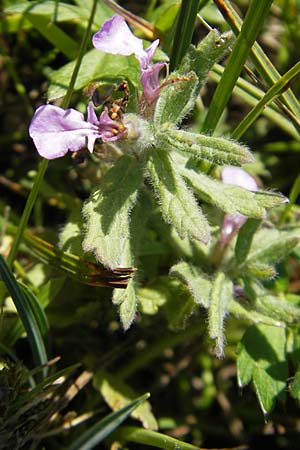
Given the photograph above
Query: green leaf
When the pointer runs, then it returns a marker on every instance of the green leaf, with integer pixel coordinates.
(229, 198)
(220, 299)
(117, 394)
(27, 315)
(95, 65)
(107, 214)
(196, 281)
(246, 310)
(244, 239)
(150, 438)
(273, 251)
(262, 359)
(215, 149)
(294, 387)
(98, 432)
(177, 203)
(176, 99)
(202, 58)
(127, 301)
(271, 305)
(45, 8)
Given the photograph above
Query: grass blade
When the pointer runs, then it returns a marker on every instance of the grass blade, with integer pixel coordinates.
(106, 426)
(26, 314)
(263, 64)
(152, 438)
(271, 95)
(184, 31)
(256, 14)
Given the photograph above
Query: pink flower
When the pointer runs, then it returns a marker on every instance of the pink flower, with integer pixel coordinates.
(237, 177)
(56, 131)
(115, 37)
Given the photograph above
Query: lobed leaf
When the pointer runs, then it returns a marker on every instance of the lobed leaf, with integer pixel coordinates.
(220, 299)
(208, 52)
(176, 99)
(195, 279)
(107, 214)
(215, 149)
(262, 359)
(127, 301)
(177, 203)
(229, 198)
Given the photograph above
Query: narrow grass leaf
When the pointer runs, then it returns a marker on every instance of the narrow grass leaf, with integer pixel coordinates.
(98, 432)
(263, 64)
(118, 394)
(256, 14)
(26, 314)
(184, 31)
(151, 438)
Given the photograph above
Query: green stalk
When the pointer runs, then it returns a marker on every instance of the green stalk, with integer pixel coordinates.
(184, 31)
(280, 86)
(256, 14)
(44, 164)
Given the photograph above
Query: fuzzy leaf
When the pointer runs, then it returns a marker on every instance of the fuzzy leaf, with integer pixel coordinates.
(176, 99)
(275, 251)
(117, 394)
(230, 199)
(260, 271)
(218, 150)
(127, 301)
(196, 281)
(107, 214)
(246, 310)
(244, 239)
(220, 299)
(177, 203)
(271, 305)
(262, 358)
(209, 51)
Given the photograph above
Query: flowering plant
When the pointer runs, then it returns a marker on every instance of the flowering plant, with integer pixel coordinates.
(158, 157)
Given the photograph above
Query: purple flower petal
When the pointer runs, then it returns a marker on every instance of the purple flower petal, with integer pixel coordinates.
(150, 81)
(115, 37)
(146, 59)
(111, 130)
(55, 131)
(238, 177)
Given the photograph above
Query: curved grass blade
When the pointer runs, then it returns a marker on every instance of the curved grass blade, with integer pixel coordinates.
(106, 426)
(251, 95)
(274, 91)
(184, 31)
(256, 14)
(26, 314)
(152, 438)
(263, 64)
